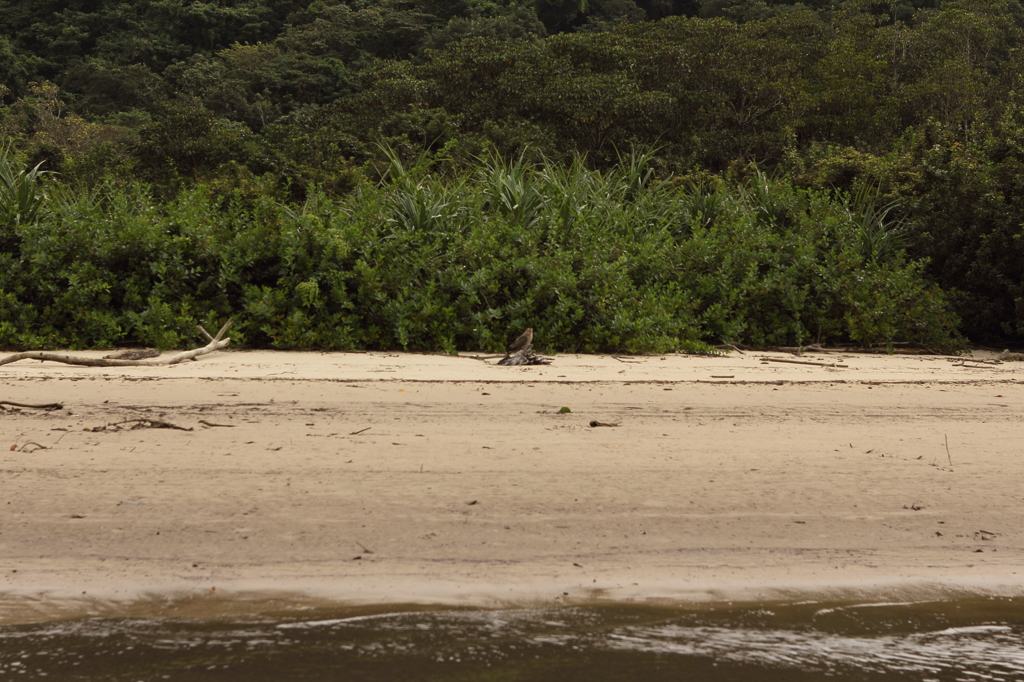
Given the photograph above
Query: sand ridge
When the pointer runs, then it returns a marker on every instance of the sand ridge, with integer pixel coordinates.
(399, 478)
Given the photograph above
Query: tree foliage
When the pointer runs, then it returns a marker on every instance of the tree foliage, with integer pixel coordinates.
(915, 104)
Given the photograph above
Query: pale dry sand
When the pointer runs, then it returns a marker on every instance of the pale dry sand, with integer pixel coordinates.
(384, 478)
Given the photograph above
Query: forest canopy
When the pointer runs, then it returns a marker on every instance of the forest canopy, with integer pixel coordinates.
(904, 115)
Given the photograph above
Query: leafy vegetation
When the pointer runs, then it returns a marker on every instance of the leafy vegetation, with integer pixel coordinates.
(432, 175)
(594, 261)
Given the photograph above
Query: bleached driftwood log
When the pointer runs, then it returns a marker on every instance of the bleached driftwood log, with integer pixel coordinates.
(216, 343)
(138, 354)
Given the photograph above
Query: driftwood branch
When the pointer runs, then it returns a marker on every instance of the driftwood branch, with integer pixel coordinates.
(804, 362)
(977, 364)
(818, 348)
(140, 423)
(141, 354)
(38, 446)
(525, 356)
(216, 343)
(45, 406)
(813, 348)
(211, 424)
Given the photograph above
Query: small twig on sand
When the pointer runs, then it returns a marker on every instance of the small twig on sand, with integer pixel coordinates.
(141, 423)
(483, 358)
(977, 364)
(597, 423)
(805, 362)
(947, 450)
(356, 433)
(44, 406)
(38, 446)
(206, 423)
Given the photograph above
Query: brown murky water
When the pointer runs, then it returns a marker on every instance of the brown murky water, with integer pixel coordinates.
(973, 640)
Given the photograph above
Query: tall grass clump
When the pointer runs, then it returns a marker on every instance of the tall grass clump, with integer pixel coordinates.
(425, 260)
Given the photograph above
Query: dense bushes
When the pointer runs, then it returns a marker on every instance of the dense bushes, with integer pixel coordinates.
(613, 261)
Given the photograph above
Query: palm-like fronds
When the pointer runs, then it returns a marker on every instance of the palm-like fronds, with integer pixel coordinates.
(21, 189)
(881, 233)
(513, 189)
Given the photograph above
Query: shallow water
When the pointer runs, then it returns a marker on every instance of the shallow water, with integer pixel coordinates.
(927, 641)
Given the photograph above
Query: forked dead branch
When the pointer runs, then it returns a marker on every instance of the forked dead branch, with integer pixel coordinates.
(526, 356)
(521, 352)
(139, 423)
(216, 343)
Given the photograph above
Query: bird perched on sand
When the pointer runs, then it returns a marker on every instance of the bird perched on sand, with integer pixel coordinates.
(525, 340)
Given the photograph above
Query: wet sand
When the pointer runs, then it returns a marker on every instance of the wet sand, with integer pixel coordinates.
(384, 478)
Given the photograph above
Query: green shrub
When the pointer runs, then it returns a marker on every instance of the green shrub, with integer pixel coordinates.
(594, 262)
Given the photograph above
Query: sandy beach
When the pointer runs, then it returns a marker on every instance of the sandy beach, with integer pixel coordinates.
(385, 478)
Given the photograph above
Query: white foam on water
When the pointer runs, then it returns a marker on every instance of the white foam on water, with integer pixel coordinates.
(983, 651)
(306, 624)
(872, 605)
(992, 651)
(973, 629)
